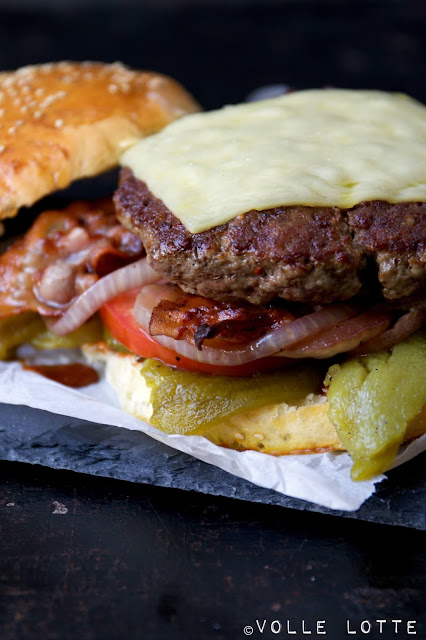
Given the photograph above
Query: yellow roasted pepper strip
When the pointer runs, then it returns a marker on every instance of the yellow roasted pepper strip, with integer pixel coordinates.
(373, 398)
(15, 330)
(29, 328)
(89, 332)
(184, 402)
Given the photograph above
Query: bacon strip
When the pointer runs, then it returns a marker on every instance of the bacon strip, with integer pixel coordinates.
(197, 319)
(62, 255)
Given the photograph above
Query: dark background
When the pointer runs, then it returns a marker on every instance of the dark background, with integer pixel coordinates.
(145, 562)
(221, 51)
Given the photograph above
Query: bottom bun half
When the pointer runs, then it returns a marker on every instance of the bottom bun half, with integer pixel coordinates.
(278, 429)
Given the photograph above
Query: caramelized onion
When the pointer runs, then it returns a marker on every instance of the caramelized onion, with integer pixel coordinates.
(267, 345)
(405, 326)
(341, 337)
(131, 276)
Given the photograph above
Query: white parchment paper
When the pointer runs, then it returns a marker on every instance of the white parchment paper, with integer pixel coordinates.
(323, 479)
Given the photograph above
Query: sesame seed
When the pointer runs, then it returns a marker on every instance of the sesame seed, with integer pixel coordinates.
(153, 83)
(59, 123)
(117, 66)
(64, 66)
(11, 130)
(112, 88)
(38, 114)
(48, 100)
(238, 436)
(259, 436)
(27, 71)
(2, 148)
(39, 92)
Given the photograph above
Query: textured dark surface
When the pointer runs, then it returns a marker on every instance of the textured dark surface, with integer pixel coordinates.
(91, 558)
(37, 437)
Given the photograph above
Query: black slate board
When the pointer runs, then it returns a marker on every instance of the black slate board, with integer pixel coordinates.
(38, 437)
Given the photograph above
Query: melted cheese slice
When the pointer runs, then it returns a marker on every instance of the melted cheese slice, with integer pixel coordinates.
(317, 147)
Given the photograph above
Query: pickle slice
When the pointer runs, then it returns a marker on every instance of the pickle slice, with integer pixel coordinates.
(373, 398)
(184, 402)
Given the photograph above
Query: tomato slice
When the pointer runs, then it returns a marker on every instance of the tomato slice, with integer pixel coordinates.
(117, 317)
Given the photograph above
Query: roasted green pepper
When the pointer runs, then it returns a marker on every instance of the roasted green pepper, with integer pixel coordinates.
(16, 330)
(89, 332)
(29, 328)
(373, 398)
(114, 344)
(183, 401)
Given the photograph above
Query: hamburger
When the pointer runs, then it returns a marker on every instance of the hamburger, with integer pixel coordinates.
(271, 291)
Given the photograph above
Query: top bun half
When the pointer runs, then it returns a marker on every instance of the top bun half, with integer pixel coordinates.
(64, 121)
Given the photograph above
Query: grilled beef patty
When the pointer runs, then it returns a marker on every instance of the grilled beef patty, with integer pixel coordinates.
(303, 254)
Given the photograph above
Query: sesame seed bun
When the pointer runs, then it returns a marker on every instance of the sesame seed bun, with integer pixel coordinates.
(278, 429)
(66, 120)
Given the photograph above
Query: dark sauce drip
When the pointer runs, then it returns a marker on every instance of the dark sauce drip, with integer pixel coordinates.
(72, 375)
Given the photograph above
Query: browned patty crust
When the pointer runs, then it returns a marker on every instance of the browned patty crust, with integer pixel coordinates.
(303, 254)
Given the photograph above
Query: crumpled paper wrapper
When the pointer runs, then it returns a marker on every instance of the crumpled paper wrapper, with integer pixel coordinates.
(323, 479)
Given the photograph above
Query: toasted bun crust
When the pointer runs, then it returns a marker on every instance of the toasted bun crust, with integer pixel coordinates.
(63, 121)
(278, 429)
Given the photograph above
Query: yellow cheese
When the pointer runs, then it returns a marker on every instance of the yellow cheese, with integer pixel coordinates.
(317, 147)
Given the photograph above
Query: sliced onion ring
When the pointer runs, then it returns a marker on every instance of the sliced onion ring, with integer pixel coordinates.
(267, 345)
(150, 296)
(404, 327)
(131, 276)
(341, 337)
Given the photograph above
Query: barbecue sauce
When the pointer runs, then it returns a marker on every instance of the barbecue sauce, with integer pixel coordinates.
(74, 375)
